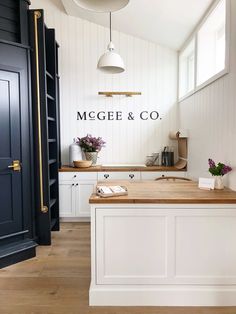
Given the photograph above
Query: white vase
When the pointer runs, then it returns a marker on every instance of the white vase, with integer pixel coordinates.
(75, 153)
(219, 185)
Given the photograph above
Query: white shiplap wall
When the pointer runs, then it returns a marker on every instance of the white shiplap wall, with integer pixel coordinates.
(210, 116)
(150, 69)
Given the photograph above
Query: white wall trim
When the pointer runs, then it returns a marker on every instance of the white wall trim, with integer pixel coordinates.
(185, 295)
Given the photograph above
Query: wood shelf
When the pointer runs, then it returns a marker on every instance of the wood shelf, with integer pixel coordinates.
(127, 94)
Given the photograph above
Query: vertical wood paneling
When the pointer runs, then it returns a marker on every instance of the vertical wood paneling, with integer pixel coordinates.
(150, 68)
(210, 116)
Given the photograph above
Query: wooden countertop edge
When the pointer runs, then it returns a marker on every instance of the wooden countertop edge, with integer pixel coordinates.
(119, 169)
(111, 200)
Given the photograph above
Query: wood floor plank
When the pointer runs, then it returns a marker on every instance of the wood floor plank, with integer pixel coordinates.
(57, 281)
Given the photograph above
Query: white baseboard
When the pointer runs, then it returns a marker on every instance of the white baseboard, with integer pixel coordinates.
(162, 296)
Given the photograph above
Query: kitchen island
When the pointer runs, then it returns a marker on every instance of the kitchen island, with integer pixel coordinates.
(165, 244)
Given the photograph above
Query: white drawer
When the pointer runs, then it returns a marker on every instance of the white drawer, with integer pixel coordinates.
(152, 175)
(75, 176)
(119, 175)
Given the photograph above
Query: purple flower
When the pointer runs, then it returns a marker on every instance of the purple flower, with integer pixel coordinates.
(211, 163)
(218, 170)
(225, 170)
(90, 143)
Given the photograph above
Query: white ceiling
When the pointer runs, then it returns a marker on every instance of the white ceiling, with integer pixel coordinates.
(166, 22)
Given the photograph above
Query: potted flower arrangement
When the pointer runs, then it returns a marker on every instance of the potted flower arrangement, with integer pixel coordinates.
(91, 146)
(218, 171)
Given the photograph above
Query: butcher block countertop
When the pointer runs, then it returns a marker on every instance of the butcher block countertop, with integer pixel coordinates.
(162, 192)
(101, 168)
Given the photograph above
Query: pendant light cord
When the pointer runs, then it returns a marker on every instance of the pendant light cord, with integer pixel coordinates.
(110, 28)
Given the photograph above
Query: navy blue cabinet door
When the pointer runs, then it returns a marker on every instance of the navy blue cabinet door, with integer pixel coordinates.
(10, 149)
(17, 210)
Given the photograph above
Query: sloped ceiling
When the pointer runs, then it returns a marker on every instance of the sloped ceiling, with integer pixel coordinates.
(166, 22)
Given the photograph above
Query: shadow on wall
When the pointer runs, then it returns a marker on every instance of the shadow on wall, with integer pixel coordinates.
(59, 5)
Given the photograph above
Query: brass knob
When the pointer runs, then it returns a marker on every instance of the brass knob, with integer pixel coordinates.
(16, 166)
(44, 209)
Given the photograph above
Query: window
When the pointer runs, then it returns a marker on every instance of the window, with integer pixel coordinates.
(211, 44)
(186, 69)
(205, 61)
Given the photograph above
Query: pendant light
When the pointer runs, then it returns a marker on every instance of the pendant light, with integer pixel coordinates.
(102, 5)
(111, 62)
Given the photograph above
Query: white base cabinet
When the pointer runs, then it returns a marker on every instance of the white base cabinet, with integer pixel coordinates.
(67, 199)
(83, 191)
(76, 188)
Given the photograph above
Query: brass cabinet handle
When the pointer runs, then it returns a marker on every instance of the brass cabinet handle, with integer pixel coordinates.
(16, 166)
(43, 208)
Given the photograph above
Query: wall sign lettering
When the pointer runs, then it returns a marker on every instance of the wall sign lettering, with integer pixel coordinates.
(116, 115)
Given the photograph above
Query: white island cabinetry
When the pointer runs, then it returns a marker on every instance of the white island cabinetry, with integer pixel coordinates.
(165, 244)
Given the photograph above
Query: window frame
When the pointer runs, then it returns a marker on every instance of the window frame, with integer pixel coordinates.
(190, 40)
(194, 36)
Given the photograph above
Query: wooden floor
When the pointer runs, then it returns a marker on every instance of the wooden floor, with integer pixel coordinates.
(57, 281)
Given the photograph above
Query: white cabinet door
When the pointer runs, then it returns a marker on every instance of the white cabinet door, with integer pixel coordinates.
(83, 191)
(126, 175)
(67, 199)
(152, 175)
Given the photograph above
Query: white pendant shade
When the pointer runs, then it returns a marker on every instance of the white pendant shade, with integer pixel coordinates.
(111, 62)
(102, 5)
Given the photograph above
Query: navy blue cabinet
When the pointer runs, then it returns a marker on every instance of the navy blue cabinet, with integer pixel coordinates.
(45, 91)
(17, 206)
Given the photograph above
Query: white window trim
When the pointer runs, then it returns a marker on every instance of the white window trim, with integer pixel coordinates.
(194, 37)
(182, 49)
